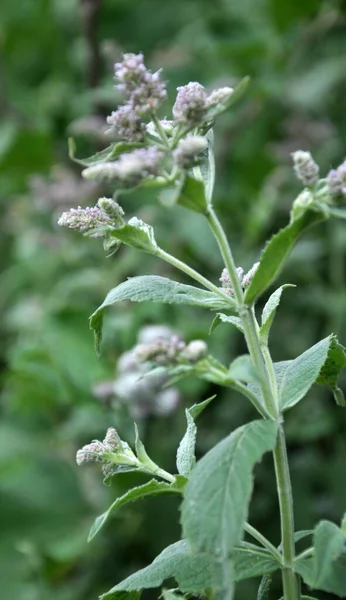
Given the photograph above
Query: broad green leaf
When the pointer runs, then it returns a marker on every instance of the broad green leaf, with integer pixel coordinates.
(221, 318)
(326, 570)
(321, 363)
(269, 311)
(151, 488)
(218, 492)
(137, 234)
(242, 369)
(275, 253)
(110, 153)
(156, 289)
(192, 573)
(192, 195)
(186, 459)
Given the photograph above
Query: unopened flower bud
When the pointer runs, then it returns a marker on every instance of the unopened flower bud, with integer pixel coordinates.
(226, 281)
(112, 440)
(249, 275)
(112, 209)
(191, 104)
(84, 219)
(220, 96)
(305, 167)
(196, 350)
(189, 150)
(90, 453)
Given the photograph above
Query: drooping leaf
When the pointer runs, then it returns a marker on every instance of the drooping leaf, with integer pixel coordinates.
(321, 363)
(221, 318)
(192, 195)
(218, 492)
(110, 153)
(151, 488)
(242, 369)
(326, 570)
(269, 311)
(275, 253)
(186, 459)
(137, 234)
(191, 572)
(156, 289)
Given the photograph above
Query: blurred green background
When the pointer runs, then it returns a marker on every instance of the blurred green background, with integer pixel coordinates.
(56, 60)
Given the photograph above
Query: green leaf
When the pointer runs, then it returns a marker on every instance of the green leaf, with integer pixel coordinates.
(321, 363)
(221, 318)
(218, 492)
(264, 587)
(151, 488)
(326, 570)
(186, 459)
(192, 195)
(242, 369)
(156, 289)
(269, 311)
(252, 561)
(192, 573)
(137, 234)
(276, 252)
(336, 360)
(110, 153)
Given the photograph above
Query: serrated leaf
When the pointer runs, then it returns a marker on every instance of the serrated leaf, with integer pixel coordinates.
(321, 363)
(192, 195)
(242, 369)
(326, 570)
(218, 492)
(192, 573)
(230, 319)
(136, 234)
(110, 153)
(275, 253)
(151, 488)
(156, 289)
(186, 459)
(269, 311)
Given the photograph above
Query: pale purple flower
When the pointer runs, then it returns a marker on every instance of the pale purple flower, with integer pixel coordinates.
(189, 150)
(129, 169)
(305, 167)
(84, 219)
(249, 275)
(126, 124)
(336, 180)
(191, 104)
(219, 96)
(112, 209)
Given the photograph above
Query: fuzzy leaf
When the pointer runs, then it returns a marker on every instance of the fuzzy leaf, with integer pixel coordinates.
(275, 253)
(156, 289)
(221, 318)
(252, 561)
(186, 459)
(192, 573)
(326, 570)
(137, 234)
(242, 369)
(110, 153)
(269, 311)
(321, 363)
(218, 492)
(151, 488)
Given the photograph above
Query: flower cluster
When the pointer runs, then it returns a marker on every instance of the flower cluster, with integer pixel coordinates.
(129, 169)
(170, 349)
(192, 103)
(99, 451)
(145, 92)
(189, 151)
(244, 278)
(336, 180)
(85, 219)
(305, 167)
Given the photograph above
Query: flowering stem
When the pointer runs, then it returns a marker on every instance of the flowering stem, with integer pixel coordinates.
(160, 130)
(263, 363)
(194, 275)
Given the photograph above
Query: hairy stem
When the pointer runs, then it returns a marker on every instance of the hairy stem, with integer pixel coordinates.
(262, 361)
(263, 541)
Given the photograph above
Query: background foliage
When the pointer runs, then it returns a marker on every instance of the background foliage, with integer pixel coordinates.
(56, 61)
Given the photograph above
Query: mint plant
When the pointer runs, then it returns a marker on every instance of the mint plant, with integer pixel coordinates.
(175, 159)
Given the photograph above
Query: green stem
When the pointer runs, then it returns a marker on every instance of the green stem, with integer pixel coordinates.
(263, 541)
(264, 366)
(178, 264)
